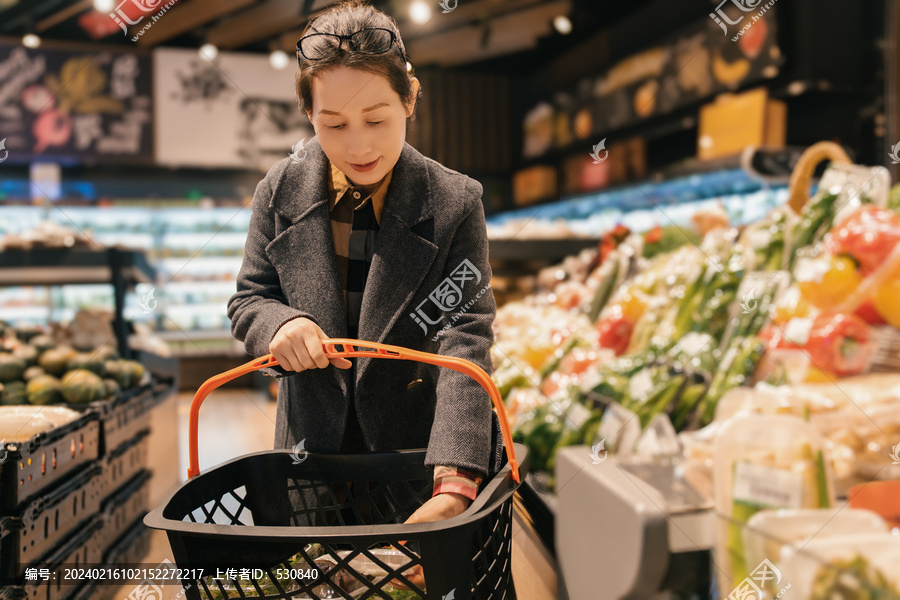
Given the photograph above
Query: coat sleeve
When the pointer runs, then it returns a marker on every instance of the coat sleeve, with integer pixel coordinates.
(465, 433)
(259, 308)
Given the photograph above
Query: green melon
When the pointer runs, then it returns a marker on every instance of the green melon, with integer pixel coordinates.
(11, 367)
(107, 352)
(116, 370)
(43, 343)
(135, 372)
(112, 388)
(81, 386)
(27, 353)
(43, 390)
(86, 360)
(27, 332)
(32, 372)
(14, 393)
(55, 360)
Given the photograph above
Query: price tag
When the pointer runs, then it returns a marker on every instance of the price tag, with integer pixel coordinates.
(767, 486)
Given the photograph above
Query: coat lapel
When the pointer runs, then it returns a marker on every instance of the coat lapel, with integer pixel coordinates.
(402, 257)
(309, 240)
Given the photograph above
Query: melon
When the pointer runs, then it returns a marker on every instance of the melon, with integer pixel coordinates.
(11, 367)
(27, 353)
(55, 360)
(107, 352)
(43, 342)
(43, 390)
(112, 388)
(32, 372)
(86, 360)
(135, 372)
(27, 332)
(81, 386)
(14, 393)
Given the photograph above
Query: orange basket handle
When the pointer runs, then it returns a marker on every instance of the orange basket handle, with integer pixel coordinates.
(351, 348)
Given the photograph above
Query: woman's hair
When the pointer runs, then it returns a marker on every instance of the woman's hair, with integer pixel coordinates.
(344, 19)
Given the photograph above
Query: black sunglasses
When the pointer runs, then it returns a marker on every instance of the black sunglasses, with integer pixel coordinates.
(374, 40)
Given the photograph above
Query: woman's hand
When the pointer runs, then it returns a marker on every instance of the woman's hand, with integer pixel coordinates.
(297, 346)
(442, 506)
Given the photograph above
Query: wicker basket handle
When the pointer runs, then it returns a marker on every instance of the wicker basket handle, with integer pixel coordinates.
(806, 166)
(351, 348)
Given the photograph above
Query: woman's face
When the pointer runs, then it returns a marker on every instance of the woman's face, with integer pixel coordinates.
(359, 119)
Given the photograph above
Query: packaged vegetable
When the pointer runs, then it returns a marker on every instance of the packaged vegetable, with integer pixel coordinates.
(763, 462)
(845, 567)
(776, 534)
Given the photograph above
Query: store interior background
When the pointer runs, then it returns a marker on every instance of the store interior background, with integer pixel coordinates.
(512, 98)
(484, 67)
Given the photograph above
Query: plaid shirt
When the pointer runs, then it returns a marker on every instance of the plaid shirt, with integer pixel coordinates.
(355, 219)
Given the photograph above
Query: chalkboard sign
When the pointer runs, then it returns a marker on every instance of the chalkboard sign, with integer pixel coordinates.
(77, 106)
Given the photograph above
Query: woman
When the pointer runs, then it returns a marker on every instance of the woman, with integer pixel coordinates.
(359, 235)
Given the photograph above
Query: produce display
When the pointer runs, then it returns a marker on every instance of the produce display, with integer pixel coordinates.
(853, 579)
(36, 368)
(663, 324)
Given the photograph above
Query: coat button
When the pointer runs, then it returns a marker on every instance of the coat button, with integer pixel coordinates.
(356, 195)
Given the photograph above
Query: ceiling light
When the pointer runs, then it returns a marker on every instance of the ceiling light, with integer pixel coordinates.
(562, 24)
(419, 11)
(208, 52)
(104, 6)
(31, 41)
(279, 59)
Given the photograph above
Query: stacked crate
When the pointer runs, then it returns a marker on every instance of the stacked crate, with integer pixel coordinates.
(76, 495)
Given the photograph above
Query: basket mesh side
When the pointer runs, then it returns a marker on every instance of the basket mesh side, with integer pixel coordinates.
(230, 509)
(267, 490)
(317, 503)
(493, 555)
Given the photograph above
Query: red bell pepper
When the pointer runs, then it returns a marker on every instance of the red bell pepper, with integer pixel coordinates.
(867, 236)
(839, 344)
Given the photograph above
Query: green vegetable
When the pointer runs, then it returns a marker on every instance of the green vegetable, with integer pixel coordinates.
(11, 367)
(853, 579)
(86, 360)
(610, 274)
(815, 220)
(43, 390)
(55, 360)
(81, 386)
(822, 482)
(14, 393)
(27, 353)
(738, 363)
(673, 237)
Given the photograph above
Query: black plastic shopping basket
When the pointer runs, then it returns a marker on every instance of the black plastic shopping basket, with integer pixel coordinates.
(285, 524)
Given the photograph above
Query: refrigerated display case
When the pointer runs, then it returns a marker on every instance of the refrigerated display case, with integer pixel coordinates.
(196, 252)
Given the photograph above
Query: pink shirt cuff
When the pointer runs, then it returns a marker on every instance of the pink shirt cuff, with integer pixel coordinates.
(456, 480)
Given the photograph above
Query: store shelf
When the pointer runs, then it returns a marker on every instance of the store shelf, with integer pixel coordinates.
(53, 266)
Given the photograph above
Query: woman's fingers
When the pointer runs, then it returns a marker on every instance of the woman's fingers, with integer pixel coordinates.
(298, 346)
(314, 348)
(341, 363)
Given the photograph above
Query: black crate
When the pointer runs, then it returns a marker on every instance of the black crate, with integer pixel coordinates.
(124, 416)
(75, 551)
(132, 547)
(33, 466)
(47, 520)
(126, 461)
(122, 509)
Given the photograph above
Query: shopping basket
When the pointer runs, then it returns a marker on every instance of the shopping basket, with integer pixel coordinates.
(275, 518)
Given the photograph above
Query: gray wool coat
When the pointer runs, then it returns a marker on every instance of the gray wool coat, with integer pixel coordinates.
(419, 282)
